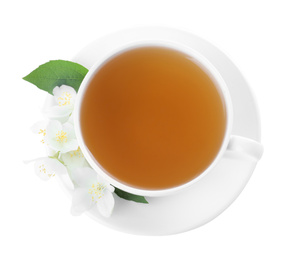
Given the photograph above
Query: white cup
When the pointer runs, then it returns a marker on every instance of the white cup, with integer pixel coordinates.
(233, 143)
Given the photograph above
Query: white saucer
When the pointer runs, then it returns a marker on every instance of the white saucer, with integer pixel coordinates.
(206, 199)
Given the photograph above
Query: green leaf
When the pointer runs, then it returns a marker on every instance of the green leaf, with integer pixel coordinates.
(128, 196)
(56, 73)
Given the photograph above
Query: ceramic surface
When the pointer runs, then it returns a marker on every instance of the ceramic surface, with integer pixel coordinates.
(210, 196)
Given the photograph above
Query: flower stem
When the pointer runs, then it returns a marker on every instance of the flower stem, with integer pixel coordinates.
(57, 156)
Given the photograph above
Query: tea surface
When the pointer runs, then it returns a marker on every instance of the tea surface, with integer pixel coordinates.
(152, 118)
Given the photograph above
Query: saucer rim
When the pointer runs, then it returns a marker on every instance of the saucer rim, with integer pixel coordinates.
(257, 136)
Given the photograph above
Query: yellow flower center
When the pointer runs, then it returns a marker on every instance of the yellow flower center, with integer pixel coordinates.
(77, 153)
(65, 99)
(96, 191)
(43, 170)
(43, 133)
(61, 136)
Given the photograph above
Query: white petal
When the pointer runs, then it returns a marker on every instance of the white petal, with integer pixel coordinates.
(71, 118)
(101, 180)
(66, 180)
(55, 127)
(52, 129)
(70, 130)
(84, 177)
(46, 167)
(52, 111)
(39, 127)
(60, 113)
(49, 102)
(106, 204)
(110, 188)
(49, 151)
(64, 95)
(70, 145)
(81, 201)
(57, 91)
(74, 159)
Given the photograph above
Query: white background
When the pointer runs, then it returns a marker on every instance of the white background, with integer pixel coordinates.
(257, 35)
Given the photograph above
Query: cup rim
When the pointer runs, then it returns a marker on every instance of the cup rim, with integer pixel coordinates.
(201, 61)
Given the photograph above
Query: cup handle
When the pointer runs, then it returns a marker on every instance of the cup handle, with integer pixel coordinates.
(245, 146)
